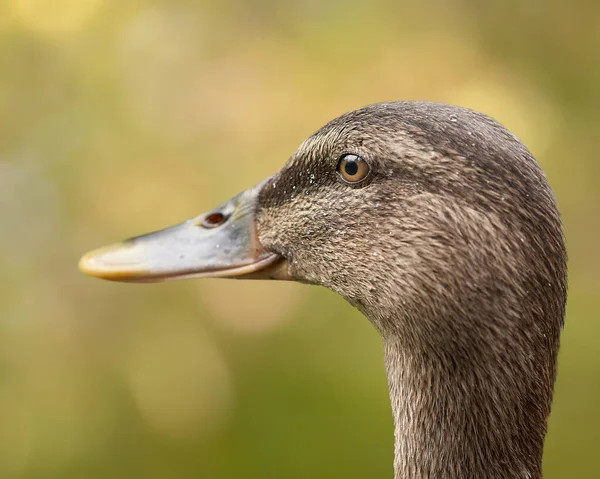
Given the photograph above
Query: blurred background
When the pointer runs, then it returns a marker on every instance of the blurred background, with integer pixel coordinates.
(120, 117)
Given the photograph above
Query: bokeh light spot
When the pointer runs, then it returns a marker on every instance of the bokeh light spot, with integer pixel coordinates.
(180, 382)
(57, 17)
(251, 306)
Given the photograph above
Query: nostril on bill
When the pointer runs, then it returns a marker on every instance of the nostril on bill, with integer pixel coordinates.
(213, 220)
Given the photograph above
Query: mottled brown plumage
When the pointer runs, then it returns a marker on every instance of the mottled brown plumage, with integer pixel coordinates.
(454, 250)
(452, 246)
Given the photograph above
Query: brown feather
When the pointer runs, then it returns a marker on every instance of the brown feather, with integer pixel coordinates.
(454, 250)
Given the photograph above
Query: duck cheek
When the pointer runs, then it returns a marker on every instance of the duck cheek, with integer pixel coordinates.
(306, 269)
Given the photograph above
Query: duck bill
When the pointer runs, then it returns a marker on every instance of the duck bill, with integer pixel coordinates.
(220, 243)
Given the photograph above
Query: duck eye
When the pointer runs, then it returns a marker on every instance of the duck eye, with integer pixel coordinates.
(352, 168)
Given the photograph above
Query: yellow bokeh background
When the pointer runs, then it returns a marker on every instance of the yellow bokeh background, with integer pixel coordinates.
(119, 117)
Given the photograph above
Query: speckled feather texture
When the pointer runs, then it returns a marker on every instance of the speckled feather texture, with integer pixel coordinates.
(453, 248)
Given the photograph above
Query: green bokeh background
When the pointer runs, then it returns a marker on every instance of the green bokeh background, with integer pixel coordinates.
(118, 117)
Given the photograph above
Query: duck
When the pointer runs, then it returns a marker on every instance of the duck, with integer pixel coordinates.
(438, 224)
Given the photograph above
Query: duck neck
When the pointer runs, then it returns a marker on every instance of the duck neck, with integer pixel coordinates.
(460, 415)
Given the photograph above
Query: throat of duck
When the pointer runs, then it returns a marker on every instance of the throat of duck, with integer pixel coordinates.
(458, 418)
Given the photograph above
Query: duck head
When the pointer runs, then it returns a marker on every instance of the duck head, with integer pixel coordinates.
(392, 206)
(439, 225)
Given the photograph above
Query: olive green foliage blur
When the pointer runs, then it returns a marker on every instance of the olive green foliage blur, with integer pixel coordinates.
(118, 117)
